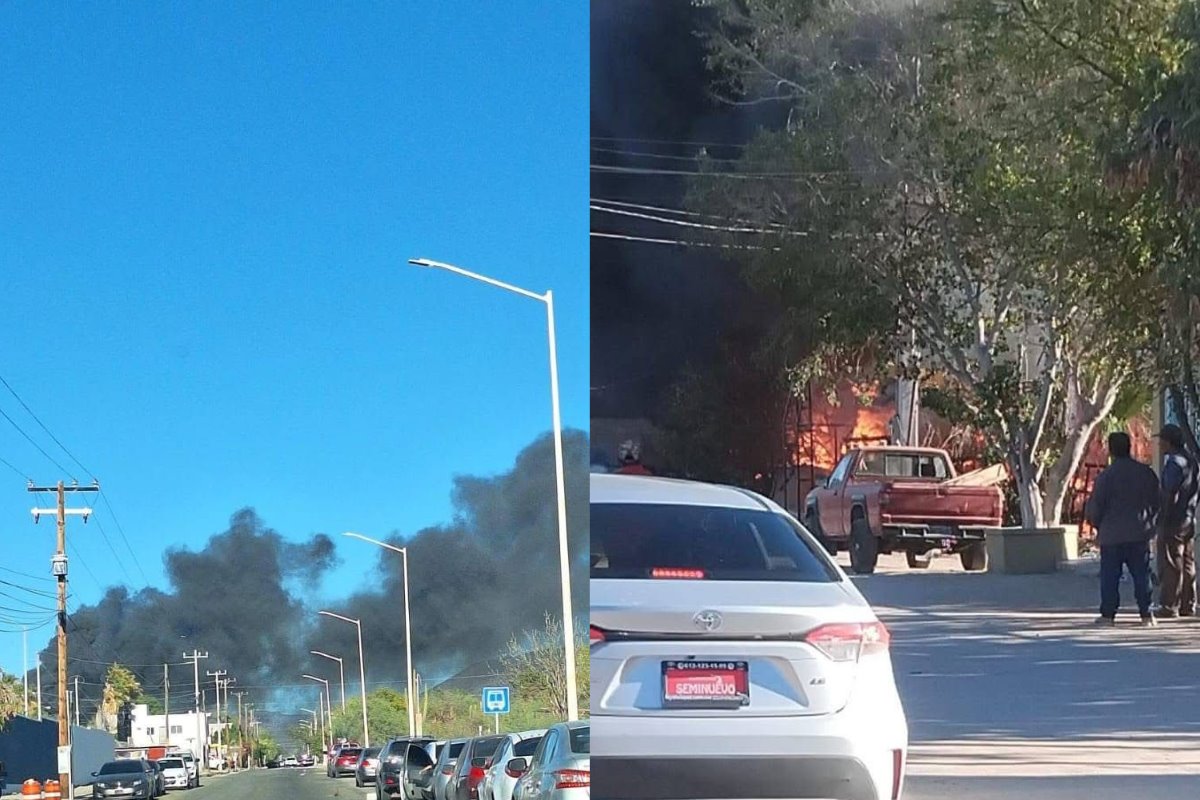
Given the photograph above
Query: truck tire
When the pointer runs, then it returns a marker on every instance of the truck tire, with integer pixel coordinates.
(864, 546)
(812, 521)
(917, 560)
(974, 557)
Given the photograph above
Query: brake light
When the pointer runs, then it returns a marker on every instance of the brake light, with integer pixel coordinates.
(850, 641)
(509, 772)
(448, 769)
(897, 772)
(673, 573)
(595, 635)
(473, 779)
(572, 778)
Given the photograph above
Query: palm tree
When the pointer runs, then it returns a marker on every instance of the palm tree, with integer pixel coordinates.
(11, 695)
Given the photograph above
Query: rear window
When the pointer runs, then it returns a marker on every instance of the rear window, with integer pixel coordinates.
(903, 465)
(581, 741)
(637, 540)
(455, 749)
(525, 747)
(347, 752)
(171, 763)
(121, 768)
(371, 752)
(486, 748)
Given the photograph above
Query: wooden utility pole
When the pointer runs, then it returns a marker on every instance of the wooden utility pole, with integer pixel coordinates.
(201, 739)
(167, 701)
(217, 675)
(59, 570)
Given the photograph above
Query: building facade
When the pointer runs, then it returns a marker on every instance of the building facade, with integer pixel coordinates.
(186, 731)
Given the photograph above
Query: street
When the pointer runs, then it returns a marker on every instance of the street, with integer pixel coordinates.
(276, 784)
(1010, 691)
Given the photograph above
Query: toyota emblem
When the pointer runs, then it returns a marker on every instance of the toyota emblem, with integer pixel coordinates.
(707, 620)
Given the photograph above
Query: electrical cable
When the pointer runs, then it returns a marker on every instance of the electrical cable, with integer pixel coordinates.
(41, 424)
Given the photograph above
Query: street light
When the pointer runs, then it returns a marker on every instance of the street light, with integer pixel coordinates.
(362, 670)
(564, 558)
(321, 727)
(412, 713)
(328, 709)
(341, 672)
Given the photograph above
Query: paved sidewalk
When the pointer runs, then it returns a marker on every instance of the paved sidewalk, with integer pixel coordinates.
(1011, 691)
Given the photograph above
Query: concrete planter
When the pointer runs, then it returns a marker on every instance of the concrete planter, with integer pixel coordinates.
(1029, 551)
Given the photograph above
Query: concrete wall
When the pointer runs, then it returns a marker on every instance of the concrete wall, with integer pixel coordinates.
(29, 749)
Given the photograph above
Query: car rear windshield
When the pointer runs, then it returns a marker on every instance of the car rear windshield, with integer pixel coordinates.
(348, 752)
(581, 741)
(456, 747)
(525, 747)
(121, 768)
(643, 540)
(486, 748)
(371, 752)
(171, 763)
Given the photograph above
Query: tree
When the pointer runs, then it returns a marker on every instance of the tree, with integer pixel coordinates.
(265, 748)
(946, 168)
(535, 665)
(11, 697)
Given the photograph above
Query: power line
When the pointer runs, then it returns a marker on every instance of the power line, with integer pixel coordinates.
(672, 142)
(14, 469)
(664, 156)
(86, 567)
(121, 529)
(25, 575)
(29, 438)
(687, 224)
(42, 425)
(679, 242)
(108, 541)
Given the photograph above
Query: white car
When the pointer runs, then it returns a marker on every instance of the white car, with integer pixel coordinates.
(499, 780)
(560, 768)
(175, 773)
(730, 656)
(193, 767)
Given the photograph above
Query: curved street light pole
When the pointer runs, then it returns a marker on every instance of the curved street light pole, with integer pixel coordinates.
(411, 700)
(328, 709)
(564, 557)
(341, 672)
(362, 671)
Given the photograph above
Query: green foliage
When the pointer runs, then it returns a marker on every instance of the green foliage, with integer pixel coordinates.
(535, 664)
(153, 703)
(265, 748)
(121, 685)
(12, 697)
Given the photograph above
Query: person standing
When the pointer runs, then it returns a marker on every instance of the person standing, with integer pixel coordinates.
(1177, 526)
(1122, 509)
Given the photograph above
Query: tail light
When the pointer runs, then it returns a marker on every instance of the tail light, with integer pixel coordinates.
(897, 772)
(850, 641)
(448, 769)
(473, 779)
(572, 778)
(508, 771)
(595, 635)
(672, 573)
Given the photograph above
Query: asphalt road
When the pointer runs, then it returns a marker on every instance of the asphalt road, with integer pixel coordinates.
(276, 784)
(1011, 692)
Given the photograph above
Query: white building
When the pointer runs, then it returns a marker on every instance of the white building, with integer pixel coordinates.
(187, 730)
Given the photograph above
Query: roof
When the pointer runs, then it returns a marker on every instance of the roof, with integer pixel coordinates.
(897, 448)
(643, 489)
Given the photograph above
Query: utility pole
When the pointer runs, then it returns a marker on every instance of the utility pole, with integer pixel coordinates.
(201, 739)
(59, 570)
(217, 675)
(241, 730)
(39, 686)
(167, 701)
(76, 701)
(25, 666)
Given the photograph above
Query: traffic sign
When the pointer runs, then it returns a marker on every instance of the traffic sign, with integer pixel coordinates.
(496, 700)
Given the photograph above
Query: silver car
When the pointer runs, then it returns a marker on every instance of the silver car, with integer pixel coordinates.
(499, 781)
(443, 771)
(561, 767)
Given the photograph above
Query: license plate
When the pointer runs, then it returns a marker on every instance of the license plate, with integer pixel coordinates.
(706, 684)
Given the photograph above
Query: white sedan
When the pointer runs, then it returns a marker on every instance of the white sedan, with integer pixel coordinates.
(730, 656)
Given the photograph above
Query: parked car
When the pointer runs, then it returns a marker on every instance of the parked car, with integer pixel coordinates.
(175, 773)
(417, 779)
(368, 766)
(903, 499)
(290, 761)
(443, 770)
(760, 651)
(307, 760)
(275, 762)
(498, 781)
(560, 768)
(393, 764)
(160, 780)
(473, 762)
(345, 762)
(193, 767)
(127, 777)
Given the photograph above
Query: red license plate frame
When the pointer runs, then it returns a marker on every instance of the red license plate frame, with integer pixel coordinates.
(711, 683)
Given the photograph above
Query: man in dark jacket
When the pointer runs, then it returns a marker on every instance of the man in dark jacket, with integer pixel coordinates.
(1177, 526)
(1122, 510)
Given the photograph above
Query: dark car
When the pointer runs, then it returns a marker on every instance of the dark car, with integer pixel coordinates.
(473, 762)
(393, 765)
(160, 780)
(307, 760)
(127, 777)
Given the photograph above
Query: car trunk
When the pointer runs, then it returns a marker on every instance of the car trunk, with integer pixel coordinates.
(928, 503)
(651, 632)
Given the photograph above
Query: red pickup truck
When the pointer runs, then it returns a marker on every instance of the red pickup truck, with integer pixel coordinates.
(887, 499)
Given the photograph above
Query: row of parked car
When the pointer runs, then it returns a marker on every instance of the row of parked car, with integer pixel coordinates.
(551, 764)
(145, 779)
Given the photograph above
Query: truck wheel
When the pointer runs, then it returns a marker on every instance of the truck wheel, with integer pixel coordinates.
(974, 557)
(918, 560)
(812, 521)
(864, 547)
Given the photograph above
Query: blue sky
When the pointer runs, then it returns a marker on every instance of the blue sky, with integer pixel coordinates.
(205, 215)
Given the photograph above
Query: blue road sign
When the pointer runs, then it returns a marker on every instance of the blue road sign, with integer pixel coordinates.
(496, 700)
